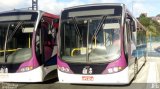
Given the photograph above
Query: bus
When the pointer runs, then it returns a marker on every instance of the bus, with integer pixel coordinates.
(28, 47)
(100, 44)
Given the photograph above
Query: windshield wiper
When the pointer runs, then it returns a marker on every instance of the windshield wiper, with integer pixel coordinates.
(94, 35)
(10, 37)
(14, 31)
(99, 27)
(76, 27)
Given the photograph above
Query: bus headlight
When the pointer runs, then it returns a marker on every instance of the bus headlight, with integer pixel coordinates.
(64, 69)
(115, 69)
(24, 69)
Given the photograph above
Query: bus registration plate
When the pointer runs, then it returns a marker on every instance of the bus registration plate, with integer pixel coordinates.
(87, 78)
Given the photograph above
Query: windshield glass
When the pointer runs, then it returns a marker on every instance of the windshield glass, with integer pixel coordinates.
(15, 38)
(91, 39)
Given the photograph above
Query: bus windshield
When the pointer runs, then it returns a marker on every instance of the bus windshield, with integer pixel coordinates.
(15, 37)
(90, 39)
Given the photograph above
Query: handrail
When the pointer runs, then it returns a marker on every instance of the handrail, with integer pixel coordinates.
(76, 49)
(10, 50)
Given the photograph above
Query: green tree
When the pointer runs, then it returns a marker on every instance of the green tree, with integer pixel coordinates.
(144, 20)
(151, 25)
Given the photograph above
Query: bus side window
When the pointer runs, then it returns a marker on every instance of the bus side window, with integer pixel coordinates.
(44, 42)
(47, 43)
(132, 28)
(53, 35)
(133, 31)
(38, 44)
(128, 30)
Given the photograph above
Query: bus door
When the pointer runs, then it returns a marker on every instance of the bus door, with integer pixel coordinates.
(128, 41)
(46, 47)
(131, 38)
(131, 43)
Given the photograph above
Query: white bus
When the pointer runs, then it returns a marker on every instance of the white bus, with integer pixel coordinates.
(100, 44)
(28, 49)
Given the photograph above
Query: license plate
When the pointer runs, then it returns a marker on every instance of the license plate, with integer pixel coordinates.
(87, 78)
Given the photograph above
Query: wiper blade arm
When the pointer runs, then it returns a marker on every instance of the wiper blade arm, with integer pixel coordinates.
(99, 26)
(14, 31)
(76, 27)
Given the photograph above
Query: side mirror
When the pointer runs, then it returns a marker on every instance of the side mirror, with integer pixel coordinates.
(133, 27)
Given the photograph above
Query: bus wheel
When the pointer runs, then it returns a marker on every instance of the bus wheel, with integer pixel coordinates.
(135, 68)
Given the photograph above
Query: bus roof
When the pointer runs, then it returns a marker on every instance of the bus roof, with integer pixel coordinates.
(98, 4)
(38, 11)
(50, 15)
(10, 11)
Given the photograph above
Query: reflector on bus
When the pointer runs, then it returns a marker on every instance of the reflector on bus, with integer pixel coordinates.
(91, 12)
(27, 30)
(111, 26)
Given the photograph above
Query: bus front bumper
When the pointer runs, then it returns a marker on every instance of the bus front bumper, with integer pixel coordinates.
(35, 75)
(119, 78)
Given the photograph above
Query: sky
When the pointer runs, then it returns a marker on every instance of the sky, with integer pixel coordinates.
(151, 7)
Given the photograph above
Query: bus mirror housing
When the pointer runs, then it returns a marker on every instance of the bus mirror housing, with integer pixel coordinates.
(111, 26)
(132, 24)
(133, 27)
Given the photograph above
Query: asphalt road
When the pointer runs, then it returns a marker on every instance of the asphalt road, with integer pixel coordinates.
(147, 78)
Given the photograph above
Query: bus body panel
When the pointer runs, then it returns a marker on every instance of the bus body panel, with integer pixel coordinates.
(35, 75)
